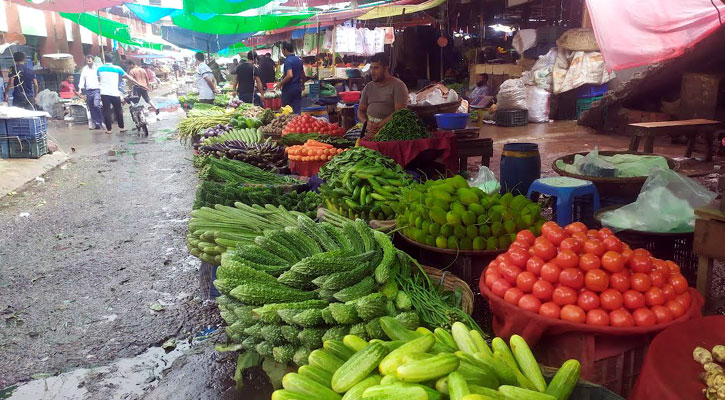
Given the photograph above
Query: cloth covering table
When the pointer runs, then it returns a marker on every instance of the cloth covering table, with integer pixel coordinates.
(669, 371)
(305, 168)
(405, 151)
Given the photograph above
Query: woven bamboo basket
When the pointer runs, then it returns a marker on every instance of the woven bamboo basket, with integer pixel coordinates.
(65, 65)
(450, 282)
(578, 39)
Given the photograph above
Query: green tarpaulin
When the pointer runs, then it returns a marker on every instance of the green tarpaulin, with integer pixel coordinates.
(110, 29)
(232, 24)
(221, 6)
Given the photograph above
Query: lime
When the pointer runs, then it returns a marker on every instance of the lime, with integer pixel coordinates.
(430, 240)
(453, 218)
(459, 231)
(484, 230)
(468, 218)
(491, 243)
(504, 242)
(466, 244)
(447, 230)
(458, 208)
(441, 242)
(479, 243)
(453, 242)
(496, 229)
(476, 209)
(434, 229)
(471, 231)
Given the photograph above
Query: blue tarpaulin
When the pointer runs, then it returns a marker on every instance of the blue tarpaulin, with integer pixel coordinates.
(300, 33)
(200, 41)
(151, 14)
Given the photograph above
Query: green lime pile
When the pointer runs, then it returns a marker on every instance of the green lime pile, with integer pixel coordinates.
(449, 214)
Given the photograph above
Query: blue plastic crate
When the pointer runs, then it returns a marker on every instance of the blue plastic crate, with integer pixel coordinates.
(587, 91)
(33, 127)
(26, 148)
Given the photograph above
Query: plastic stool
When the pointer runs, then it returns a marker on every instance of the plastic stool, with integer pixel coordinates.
(565, 190)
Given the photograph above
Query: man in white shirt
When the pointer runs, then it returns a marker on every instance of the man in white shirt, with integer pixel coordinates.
(204, 80)
(89, 86)
(109, 77)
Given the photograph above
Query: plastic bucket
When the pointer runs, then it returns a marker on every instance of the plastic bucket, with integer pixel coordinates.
(520, 167)
(450, 121)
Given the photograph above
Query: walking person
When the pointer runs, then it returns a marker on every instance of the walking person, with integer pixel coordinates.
(204, 80)
(291, 83)
(109, 78)
(89, 86)
(22, 83)
(141, 90)
(247, 80)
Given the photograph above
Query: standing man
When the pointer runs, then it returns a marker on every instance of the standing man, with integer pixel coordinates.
(142, 89)
(176, 68)
(381, 97)
(23, 84)
(247, 79)
(266, 69)
(204, 80)
(291, 83)
(90, 87)
(109, 77)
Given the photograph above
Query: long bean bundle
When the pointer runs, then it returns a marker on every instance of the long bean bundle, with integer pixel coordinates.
(233, 171)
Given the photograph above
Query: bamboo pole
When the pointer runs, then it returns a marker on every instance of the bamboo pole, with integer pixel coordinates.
(100, 37)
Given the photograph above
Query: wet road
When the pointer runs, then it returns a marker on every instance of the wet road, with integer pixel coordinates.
(93, 262)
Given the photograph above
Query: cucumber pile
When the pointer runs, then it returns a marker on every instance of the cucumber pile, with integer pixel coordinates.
(423, 365)
(449, 214)
(247, 135)
(294, 288)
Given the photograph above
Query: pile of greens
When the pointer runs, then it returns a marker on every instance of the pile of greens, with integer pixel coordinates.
(403, 125)
(237, 172)
(210, 193)
(348, 159)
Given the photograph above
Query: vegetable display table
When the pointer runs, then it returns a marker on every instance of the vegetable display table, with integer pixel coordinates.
(610, 356)
(443, 147)
(669, 371)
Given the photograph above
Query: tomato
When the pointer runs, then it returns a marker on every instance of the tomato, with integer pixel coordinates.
(676, 308)
(588, 300)
(593, 234)
(555, 235)
(566, 259)
(545, 250)
(573, 313)
(575, 227)
(512, 295)
(522, 245)
(668, 291)
(571, 244)
(564, 295)
(611, 299)
(534, 265)
(490, 277)
(589, 261)
(500, 287)
(657, 279)
(530, 303)
(613, 244)
(654, 297)
(597, 317)
(549, 225)
(510, 272)
(678, 282)
(685, 299)
(572, 277)
(642, 252)
(606, 231)
(550, 309)
(627, 255)
(525, 281)
(596, 280)
(621, 318)
(518, 257)
(613, 261)
(633, 299)
(660, 266)
(543, 290)
(640, 263)
(527, 236)
(595, 247)
(644, 317)
(580, 236)
(504, 258)
(663, 314)
(619, 281)
(640, 282)
(550, 272)
(674, 268)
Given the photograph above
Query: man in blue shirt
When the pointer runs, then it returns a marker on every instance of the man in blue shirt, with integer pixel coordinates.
(291, 83)
(22, 83)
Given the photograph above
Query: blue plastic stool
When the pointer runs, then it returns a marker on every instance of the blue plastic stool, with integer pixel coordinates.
(565, 190)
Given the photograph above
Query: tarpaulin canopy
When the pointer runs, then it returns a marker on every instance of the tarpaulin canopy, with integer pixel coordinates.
(109, 28)
(199, 41)
(151, 14)
(300, 33)
(71, 6)
(235, 49)
(649, 31)
(221, 6)
(395, 10)
(232, 24)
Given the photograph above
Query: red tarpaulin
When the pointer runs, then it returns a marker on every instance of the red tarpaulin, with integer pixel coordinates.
(72, 6)
(631, 33)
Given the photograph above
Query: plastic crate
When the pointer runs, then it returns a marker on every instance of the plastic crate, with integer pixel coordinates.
(587, 91)
(19, 147)
(585, 104)
(33, 127)
(512, 117)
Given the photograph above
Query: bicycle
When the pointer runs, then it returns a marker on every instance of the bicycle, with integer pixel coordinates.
(138, 115)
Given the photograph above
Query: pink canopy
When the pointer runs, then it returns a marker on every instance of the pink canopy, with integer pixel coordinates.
(631, 33)
(71, 6)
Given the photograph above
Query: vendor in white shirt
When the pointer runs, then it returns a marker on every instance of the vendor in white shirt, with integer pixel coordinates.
(89, 86)
(204, 80)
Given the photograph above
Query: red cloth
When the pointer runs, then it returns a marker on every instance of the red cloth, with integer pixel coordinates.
(669, 371)
(405, 151)
(305, 168)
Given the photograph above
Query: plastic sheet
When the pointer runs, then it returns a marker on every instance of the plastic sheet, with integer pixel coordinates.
(593, 165)
(47, 100)
(512, 95)
(537, 102)
(574, 69)
(524, 40)
(666, 203)
(626, 165)
(485, 180)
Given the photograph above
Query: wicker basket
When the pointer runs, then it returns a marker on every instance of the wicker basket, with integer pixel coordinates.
(578, 39)
(452, 282)
(65, 65)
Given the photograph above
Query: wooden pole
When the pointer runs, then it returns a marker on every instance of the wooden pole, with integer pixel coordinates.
(318, 49)
(100, 37)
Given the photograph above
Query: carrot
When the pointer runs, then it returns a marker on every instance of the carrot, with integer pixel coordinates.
(315, 143)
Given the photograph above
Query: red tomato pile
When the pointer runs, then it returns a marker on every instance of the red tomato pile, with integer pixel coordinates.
(588, 276)
(308, 124)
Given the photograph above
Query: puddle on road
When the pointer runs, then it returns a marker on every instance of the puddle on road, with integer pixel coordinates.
(126, 378)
